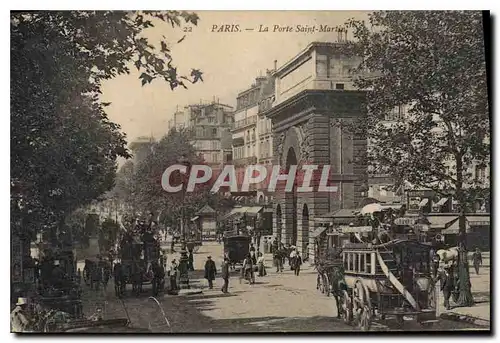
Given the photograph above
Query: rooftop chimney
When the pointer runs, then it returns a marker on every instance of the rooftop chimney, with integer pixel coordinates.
(275, 64)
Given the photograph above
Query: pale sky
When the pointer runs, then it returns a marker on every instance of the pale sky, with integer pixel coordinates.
(230, 61)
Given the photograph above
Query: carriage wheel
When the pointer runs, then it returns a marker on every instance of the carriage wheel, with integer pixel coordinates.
(361, 307)
(346, 307)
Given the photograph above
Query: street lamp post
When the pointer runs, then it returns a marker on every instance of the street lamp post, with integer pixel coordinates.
(183, 261)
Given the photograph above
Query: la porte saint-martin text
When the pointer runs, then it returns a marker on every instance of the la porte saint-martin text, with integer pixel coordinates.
(273, 28)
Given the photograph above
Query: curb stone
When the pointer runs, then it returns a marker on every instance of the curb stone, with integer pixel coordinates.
(465, 318)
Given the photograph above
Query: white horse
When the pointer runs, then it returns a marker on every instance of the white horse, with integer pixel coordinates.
(448, 255)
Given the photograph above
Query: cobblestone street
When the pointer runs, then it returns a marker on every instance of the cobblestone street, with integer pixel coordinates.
(277, 303)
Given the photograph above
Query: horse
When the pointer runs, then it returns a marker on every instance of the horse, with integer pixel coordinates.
(136, 279)
(119, 278)
(337, 285)
(448, 255)
(106, 275)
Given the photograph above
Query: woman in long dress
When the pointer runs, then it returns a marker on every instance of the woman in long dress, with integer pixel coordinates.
(261, 265)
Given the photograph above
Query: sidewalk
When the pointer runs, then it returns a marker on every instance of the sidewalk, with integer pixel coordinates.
(479, 314)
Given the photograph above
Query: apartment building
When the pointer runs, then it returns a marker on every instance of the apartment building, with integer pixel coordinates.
(252, 134)
(179, 120)
(209, 126)
(141, 148)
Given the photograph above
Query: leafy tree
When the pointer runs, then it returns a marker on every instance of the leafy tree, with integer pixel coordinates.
(148, 192)
(63, 146)
(123, 190)
(434, 63)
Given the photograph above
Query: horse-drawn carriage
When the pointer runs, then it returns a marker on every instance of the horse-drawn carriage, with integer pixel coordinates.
(390, 279)
(236, 247)
(137, 254)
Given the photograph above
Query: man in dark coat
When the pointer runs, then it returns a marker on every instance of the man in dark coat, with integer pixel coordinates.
(477, 260)
(298, 263)
(447, 284)
(158, 277)
(191, 261)
(210, 271)
(225, 274)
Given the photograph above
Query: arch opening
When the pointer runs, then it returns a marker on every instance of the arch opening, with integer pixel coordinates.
(291, 199)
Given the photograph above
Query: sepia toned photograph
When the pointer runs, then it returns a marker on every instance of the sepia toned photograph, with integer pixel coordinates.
(250, 171)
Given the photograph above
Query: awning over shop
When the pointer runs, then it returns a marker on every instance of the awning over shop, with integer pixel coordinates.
(478, 220)
(254, 210)
(470, 222)
(423, 202)
(441, 202)
(393, 206)
(441, 222)
(356, 229)
(248, 210)
(454, 228)
(318, 231)
(342, 216)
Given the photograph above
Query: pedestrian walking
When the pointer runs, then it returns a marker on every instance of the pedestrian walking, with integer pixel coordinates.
(292, 256)
(261, 264)
(210, 271)
(247, 271)
(173, 275)
(278, 261)
(20, 316)
(225, 275)
(297, 263)
(252, 253)
(447, 284)
(477, 260)
(191, 261)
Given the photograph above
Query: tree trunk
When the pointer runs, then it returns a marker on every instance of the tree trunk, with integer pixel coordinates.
(465, 298)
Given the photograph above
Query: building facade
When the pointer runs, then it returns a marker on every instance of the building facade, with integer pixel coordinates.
(209, 128)
(252, 133)
(179, 121)
(141, 148)
(314, 96)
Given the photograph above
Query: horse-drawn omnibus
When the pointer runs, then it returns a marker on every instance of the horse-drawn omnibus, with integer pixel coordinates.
(369, 281)
(136, 256)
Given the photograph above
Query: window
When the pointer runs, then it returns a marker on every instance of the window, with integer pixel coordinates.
(368, 259)
(362, 266)
(339, 86)
(214, 131)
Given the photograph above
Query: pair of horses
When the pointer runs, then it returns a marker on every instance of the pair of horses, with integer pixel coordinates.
(331, 278)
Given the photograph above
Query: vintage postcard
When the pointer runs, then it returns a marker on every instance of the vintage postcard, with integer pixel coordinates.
(250, 171)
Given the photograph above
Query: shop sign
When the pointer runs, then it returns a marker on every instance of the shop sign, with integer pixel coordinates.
(404, 221)
(356, 229)
(421, 194)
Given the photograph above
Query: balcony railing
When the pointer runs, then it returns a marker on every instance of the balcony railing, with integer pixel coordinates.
(245, 161)
(245, 122)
